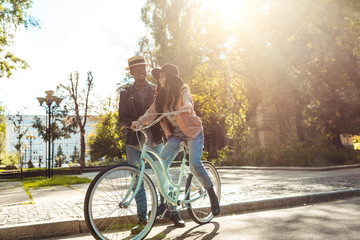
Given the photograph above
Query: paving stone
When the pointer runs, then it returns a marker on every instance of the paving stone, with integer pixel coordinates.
(236, 187)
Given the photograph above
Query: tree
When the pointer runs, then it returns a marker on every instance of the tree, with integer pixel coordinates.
(60, 155)
(62, 125)
(309, 74)
(2, 134)
(181, 33)
(109, 139)
(75, 155)
(19, 130)
(12, 16)
(295, 59)
(59, 151)
(80, 105)
(334, 73)
(173, 28)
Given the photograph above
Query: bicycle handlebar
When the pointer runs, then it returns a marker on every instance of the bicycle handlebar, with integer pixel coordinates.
(161, 116)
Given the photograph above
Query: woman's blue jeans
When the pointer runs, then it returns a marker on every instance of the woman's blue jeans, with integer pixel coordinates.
(195, 146)
(133, 158)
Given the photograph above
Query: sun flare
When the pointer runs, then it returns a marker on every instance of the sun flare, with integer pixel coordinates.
(230, 9)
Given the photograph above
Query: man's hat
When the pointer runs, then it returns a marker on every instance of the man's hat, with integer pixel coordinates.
(137, 60)
(169, 69)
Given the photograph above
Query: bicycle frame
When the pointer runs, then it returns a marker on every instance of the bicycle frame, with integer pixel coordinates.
(184, 170)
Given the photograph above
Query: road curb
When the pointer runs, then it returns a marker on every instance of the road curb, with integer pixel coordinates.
(312, 169)
(284, 202)
(41, 230)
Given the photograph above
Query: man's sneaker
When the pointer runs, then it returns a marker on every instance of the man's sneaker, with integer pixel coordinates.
(163, 211)
(178, 222)
(141, 224)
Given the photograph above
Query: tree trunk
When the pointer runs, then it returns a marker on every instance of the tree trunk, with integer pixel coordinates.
(82, 146)
(280, 121)
(299, 127)
(336, 141)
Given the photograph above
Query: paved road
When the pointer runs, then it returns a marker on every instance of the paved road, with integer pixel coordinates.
(59, 210)
(60, 203)
(333, 220)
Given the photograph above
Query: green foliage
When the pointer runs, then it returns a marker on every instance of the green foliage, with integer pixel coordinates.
(220, 103)
(62, 125)
(59, 151)
(75, 155)
(9, 159)
(305, 69)
(291, 154)
(12, 16)
(297, 60)
(172, 28)
(224, 157)
(109, 139)
(2, 134)
(19, 130)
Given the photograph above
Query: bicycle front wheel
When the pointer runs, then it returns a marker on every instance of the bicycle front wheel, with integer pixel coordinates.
(200, 209)
(108, 213)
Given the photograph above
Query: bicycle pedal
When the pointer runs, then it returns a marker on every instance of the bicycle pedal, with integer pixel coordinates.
(166, 214)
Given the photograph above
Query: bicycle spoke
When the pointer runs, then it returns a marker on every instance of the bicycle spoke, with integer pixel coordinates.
(105, 216)
(200, 209)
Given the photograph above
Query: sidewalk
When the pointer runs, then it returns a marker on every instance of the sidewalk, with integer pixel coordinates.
(58, 210)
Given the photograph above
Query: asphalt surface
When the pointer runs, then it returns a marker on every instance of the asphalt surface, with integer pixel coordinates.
(335, 220)
(58, 211)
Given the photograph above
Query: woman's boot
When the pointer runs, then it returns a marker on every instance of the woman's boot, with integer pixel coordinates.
(215, 208)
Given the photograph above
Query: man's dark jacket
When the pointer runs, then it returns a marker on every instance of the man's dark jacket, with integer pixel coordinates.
(130, 109)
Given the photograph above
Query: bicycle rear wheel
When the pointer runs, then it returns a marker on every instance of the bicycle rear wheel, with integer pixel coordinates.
(106, 213)
(200, 210)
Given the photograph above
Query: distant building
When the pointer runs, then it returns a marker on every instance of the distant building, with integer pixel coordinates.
(38, 146)
(350, 141)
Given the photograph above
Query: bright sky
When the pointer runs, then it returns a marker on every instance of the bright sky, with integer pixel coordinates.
(75, 35)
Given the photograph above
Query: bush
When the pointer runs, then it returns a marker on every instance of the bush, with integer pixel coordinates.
(294, 154)
(10, 159)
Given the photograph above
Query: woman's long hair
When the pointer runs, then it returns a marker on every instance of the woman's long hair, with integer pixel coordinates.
(169, 94)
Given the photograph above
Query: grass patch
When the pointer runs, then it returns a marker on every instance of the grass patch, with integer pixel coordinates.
(30, 197)
(58, 180)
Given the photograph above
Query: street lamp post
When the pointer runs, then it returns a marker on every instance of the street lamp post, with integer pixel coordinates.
(30, 137)
(23, 158)
(49, 99)
(26, 148)
(21, 162)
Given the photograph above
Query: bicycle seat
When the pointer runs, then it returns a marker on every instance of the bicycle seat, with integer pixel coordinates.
(183, 144)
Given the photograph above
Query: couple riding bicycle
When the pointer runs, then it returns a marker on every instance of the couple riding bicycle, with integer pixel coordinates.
(173, 108)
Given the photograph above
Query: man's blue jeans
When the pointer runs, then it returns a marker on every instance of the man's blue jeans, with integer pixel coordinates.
(133, 158)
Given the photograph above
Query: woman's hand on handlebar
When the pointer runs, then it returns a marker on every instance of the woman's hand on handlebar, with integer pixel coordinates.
(135, 124)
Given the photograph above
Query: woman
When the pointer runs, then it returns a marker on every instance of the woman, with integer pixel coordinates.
(173, 95)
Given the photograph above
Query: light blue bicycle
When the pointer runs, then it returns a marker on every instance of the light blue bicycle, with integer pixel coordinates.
(111, 210)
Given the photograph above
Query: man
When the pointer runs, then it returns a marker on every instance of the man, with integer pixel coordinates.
(134, 101)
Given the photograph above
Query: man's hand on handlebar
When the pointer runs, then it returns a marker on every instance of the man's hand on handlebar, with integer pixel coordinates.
(135, 125)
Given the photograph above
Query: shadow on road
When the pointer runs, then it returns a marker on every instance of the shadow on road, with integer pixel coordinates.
(192, 233)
